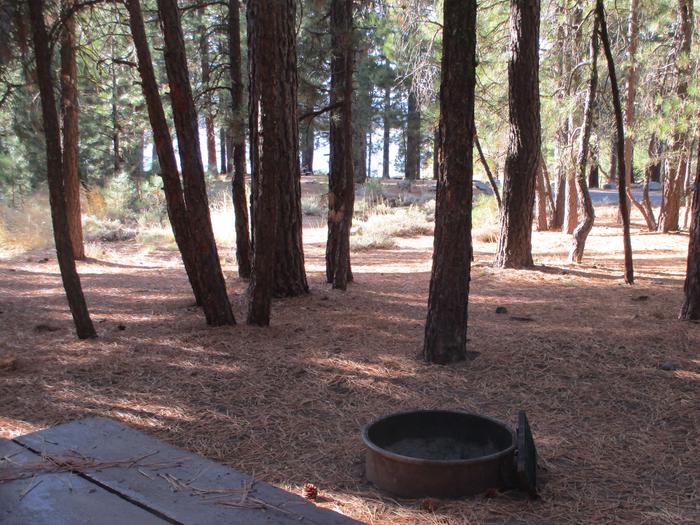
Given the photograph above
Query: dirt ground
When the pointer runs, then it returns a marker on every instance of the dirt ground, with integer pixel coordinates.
(617, 435)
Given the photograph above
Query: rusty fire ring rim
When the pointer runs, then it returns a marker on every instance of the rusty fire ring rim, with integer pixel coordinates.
(443, 462)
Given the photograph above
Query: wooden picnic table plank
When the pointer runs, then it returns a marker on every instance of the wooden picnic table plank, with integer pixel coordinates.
(175, 483)
(60, 498)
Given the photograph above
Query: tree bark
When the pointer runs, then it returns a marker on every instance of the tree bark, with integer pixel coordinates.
(223, 161)
(172, 187)
(387, 132)
(631, 90)
(673, 184)
(413, 139)
(215, 302)
(524, 144)
(362, 110)
(588, 213)
(541, 201)
(307, 147)
(620, 143)
(206, 73)
(690, 310)
(573, 79)
(240, 203)
(274, 144)
(561, 144)
(54, 166)
(71, 136)
(446, 327)
(341, 195)
(290, 274)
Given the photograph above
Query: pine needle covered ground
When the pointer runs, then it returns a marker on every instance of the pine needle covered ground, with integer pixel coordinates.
(617, 433)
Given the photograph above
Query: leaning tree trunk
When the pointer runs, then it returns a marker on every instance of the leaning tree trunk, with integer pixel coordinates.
(54, 162)
(446, 327)
(620, 143)
(691, 303)
(174, 198)
(240, 204)
(487, 169)
(673, 184)
(71, 136)
(290, 275)
(588, 213)
(524, 144)
(413, 139)
(341, 195)
(215, 302)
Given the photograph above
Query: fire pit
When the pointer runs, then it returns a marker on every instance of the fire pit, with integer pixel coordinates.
(449, 454)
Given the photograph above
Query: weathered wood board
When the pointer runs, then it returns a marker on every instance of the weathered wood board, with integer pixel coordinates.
(173, 484)
(60, 498)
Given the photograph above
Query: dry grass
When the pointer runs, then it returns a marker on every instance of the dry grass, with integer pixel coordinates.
(27, 227)
(617, 436)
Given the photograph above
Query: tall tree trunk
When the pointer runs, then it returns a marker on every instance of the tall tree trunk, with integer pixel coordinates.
(588, 213)
(116, 126)
(413, 139)
(524, 144)
(548, 190)
(362, 108)
(174, 198)
(541, 201)
(274, 148)
(54, 161)
(620, 143)
(71, 136)
(673, 185)
(690, 310)
(290, 274)
(631, 90)
(612, 174)
(387, 132)
(206, 74)
(594, 175)
(223, 160)
(215, 302)
(446, 326)
(240, 204)
(573, 80)
(341, 197)
(307, 147)
(561, 144)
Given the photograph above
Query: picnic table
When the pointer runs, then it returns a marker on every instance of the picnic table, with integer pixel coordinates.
(99, 471)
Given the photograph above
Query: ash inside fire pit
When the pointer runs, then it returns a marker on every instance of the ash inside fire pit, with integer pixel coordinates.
(441, 448)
